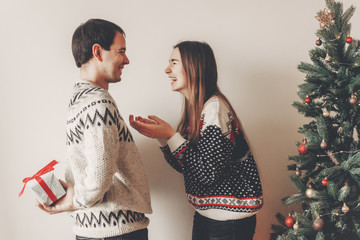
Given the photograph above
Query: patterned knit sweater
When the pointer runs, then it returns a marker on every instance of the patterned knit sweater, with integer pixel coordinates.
(104, 166)
(221, 178)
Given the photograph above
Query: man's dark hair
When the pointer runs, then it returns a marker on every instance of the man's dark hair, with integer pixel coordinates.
(89, 33)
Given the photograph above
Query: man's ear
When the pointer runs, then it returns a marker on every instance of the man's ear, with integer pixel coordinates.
(96, 51)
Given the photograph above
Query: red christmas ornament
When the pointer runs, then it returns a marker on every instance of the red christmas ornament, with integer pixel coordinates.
(349, 40)
(302, 149)
(318, 42)
(308, 100)
(304, 140)
(289, 221)
(324, 182)
(318, 224)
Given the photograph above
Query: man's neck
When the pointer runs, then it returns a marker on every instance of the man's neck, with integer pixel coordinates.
(89, 74)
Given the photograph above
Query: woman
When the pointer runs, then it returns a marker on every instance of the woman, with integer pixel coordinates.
(209, 148)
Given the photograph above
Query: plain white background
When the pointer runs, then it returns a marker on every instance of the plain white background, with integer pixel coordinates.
(258, 45)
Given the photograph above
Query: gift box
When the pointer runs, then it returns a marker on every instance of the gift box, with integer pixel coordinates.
(44, 184)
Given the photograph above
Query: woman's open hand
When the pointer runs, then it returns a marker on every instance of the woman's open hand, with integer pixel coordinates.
(153, 127)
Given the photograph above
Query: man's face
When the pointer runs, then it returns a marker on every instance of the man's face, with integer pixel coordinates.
(114, 60)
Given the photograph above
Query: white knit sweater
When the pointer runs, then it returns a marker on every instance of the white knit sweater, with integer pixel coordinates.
(104, 165)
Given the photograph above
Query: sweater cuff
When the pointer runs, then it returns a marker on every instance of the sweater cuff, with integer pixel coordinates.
(175, 141)
(77, 204)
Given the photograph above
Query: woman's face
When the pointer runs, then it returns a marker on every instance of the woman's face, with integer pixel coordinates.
(176, 73)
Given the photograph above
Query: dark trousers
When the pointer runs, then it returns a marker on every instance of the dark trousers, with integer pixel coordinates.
(137, 235)
(209, 229)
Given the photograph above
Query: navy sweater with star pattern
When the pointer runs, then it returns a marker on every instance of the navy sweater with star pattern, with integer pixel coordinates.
(221, 177)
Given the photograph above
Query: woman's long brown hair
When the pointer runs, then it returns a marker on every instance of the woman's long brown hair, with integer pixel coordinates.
(201, 73)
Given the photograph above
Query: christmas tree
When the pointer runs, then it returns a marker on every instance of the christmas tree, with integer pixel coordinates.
(327, 169)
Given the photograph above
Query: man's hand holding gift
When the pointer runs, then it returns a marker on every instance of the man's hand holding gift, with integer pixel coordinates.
(53, 195)
(65, 204)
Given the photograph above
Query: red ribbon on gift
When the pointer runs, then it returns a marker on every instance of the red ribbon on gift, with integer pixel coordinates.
(46, 169)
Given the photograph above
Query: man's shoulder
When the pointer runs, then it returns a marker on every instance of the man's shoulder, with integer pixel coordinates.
(89, 104)
(87, 93)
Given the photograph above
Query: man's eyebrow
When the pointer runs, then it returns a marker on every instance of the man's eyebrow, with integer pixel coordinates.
(122, 49)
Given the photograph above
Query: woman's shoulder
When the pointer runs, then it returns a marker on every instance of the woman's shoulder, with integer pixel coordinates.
(216, 104)
(216, 112)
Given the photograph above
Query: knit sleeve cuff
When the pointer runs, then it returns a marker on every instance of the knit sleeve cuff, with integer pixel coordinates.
(175, 141)
(77, 204)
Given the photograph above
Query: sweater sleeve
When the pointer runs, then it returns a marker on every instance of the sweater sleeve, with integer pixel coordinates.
(173, 161)
(207, 160)
(101, 147)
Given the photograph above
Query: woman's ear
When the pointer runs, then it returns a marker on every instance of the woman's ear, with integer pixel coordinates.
(96, 51)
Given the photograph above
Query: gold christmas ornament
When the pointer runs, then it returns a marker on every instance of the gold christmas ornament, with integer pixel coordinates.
(326, 113)
(328, 57)
(353, 99)
(298, 173)
(325, 18)
(296, 226)
(323, 144)
(310, 192)
(345, 208)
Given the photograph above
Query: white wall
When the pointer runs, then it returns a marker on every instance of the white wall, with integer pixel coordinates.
(258, 45)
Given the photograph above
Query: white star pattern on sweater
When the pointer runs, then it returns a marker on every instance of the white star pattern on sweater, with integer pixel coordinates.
(219, 171)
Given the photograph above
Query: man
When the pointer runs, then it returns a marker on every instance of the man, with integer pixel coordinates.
(107, 190)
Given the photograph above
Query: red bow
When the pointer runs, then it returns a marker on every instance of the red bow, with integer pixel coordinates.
(46, 169)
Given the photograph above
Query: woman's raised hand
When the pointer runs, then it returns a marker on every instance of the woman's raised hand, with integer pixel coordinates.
(153, 127)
